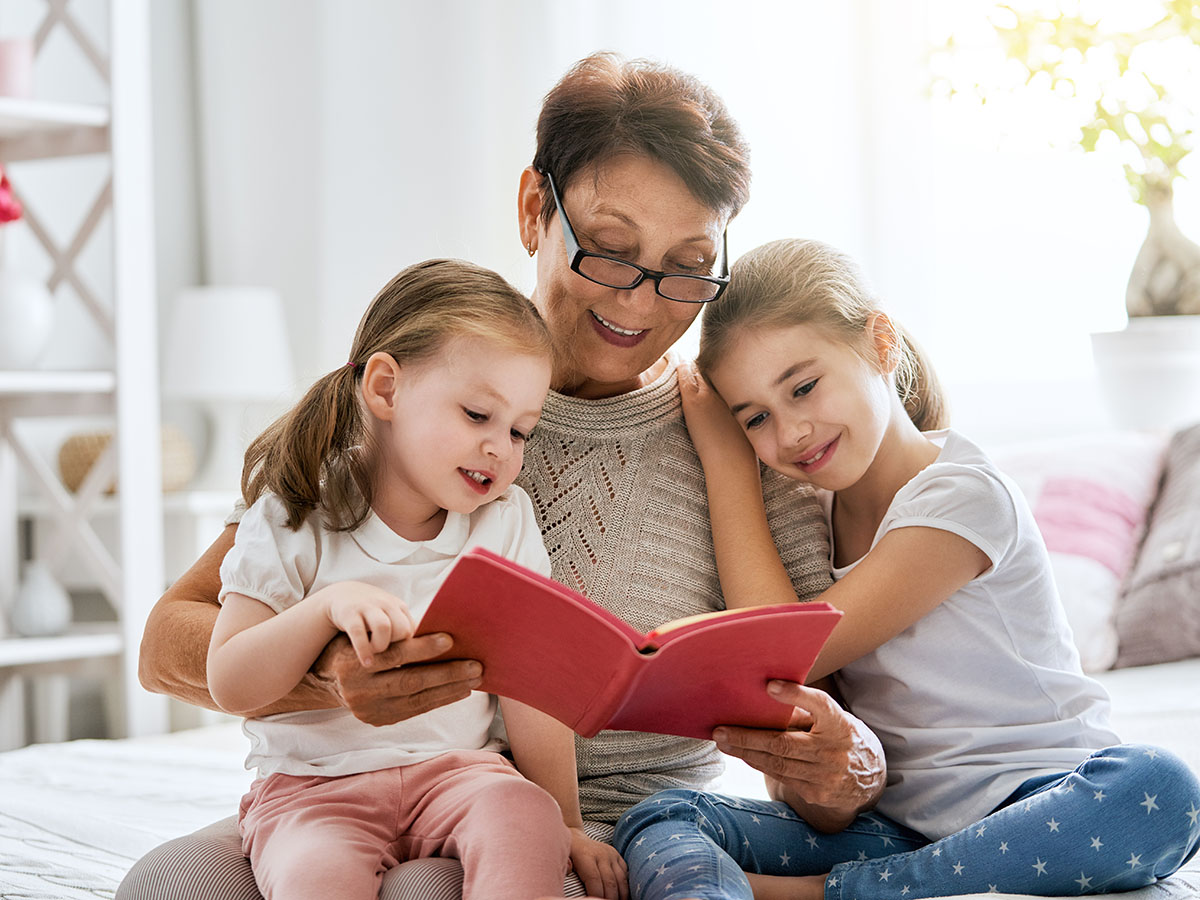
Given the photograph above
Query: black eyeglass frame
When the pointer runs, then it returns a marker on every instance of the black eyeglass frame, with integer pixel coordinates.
(577, 255)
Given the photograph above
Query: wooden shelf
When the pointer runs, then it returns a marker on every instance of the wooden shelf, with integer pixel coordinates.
(182, 503)
(80, 643)
(16, 384)
(37, 129)
(28, 395)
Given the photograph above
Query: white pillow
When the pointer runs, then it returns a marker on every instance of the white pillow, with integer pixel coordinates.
(1089, 495)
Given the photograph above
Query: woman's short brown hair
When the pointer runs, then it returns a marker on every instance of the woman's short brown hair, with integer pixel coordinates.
(606, 106)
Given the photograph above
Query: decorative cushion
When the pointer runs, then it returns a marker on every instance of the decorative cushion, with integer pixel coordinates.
(1158, 614)
(1089, 495)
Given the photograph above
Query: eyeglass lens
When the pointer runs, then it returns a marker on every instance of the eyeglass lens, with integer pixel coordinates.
(614, 273)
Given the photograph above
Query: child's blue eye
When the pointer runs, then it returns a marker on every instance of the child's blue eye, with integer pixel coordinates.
(755, 421)
(518, 436)
(805, 389)
(475, 416)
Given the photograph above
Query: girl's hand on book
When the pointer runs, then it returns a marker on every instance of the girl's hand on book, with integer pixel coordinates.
(599, 866)
(371, 617)
(718, 438)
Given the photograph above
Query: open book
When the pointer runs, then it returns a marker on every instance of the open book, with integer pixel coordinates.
(547, 646)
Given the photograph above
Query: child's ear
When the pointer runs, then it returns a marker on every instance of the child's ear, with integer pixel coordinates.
(886, 340)
(381, 375)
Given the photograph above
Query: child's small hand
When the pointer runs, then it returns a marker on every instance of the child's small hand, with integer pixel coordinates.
(712, 428)
(371, 617)
(599, 866)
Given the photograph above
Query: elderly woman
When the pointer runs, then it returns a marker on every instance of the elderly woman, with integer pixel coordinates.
(638, 170)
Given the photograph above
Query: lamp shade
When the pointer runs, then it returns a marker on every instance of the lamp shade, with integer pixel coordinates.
(227, 343)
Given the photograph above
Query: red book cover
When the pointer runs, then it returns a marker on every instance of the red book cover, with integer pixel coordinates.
(547, 646)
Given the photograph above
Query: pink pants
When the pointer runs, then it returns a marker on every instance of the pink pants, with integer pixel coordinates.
(333, 838)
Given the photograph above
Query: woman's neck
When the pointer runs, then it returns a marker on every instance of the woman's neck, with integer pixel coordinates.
(573, 384)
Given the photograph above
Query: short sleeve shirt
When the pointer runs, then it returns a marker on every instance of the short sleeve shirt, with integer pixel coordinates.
(275, 565)
(985, 691)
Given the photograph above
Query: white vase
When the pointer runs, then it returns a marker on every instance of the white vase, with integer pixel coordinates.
(1165, 280)
(26, 320)
(41, 606)
(1150, 372)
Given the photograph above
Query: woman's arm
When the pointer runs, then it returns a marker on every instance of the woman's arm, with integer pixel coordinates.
(544, 751)
(748, 562)
(400, 684)
(257, 656)
(827, 765)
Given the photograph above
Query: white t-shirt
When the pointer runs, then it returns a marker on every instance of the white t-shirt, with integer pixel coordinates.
(986, 690)
(280, 567)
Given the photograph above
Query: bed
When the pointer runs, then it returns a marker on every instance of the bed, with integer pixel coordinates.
(1122, 518)
(75, 816)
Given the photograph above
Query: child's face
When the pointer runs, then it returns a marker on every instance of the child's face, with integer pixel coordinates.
(813, 408)
(457, 436)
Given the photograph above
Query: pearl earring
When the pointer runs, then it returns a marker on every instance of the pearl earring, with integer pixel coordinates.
(529, 247)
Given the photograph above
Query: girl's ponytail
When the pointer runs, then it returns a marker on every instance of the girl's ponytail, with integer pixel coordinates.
(918, 386)
(301, 455)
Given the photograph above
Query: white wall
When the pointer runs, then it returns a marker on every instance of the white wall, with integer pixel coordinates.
(346, 141)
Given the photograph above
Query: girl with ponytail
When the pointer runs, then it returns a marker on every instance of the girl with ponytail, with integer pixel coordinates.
(953, 647)
(360, 500)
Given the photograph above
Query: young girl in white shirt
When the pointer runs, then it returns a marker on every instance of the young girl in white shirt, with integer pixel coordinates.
(954, 649)
(361, 499)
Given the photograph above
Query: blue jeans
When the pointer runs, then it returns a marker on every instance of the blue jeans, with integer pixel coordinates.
(1124, 818)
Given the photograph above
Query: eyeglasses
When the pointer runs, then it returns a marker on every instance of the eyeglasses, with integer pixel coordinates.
(624, 275)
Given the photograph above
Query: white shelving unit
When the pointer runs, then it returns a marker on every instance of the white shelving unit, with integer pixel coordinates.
(131, 578)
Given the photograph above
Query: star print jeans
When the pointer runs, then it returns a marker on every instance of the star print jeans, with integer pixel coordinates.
(1124, 818)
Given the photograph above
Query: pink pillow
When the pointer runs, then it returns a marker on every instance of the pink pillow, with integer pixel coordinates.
(1089, 495)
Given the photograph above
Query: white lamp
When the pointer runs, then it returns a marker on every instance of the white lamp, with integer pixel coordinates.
(227, 349)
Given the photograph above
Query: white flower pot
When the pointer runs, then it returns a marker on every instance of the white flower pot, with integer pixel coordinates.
(26, 320)
(1150, 372)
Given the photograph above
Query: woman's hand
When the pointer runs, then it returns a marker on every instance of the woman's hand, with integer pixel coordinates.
(718, 438)
(400, 683)
(371, 617)
(828, 766)
(599, 866)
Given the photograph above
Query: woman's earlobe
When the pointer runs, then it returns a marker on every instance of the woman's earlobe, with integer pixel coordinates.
(529, 208)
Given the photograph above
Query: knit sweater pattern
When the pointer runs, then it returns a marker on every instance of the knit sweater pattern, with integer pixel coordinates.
(620, 498)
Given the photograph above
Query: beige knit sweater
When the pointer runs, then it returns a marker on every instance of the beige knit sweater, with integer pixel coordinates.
(619, 494)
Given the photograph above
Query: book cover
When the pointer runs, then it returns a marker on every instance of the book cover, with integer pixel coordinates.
(548, 646)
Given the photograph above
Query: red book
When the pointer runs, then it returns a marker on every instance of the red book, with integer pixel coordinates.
(547, 646)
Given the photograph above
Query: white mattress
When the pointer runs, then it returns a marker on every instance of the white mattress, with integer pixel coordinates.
(74, 817)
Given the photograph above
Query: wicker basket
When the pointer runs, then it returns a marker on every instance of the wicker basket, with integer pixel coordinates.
(79, 453)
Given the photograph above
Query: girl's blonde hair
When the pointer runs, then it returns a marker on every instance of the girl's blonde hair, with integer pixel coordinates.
(802, 282)
(319, 454)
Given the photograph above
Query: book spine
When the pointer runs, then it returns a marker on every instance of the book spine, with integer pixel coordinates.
(607, 702)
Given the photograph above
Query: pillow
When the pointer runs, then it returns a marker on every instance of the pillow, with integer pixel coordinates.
(1089, 495)
(1158, 614)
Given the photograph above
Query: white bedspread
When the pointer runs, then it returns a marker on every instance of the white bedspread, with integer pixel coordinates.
(74, 817)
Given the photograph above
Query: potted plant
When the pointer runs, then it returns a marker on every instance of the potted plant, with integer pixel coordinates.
(1131, 90)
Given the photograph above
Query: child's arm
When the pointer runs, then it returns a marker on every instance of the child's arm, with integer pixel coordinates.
(907, 574)
(544, 751)
(904, 577)
(255, 656)
(748, 562)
